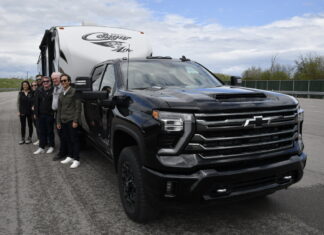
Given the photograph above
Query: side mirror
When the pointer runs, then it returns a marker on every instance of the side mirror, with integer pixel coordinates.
(82, 84)
(236, 81)
(95, 95)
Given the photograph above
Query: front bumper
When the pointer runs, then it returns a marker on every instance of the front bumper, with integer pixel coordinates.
(210, 184)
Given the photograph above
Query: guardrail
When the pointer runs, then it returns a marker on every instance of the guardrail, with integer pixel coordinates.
(302, 88)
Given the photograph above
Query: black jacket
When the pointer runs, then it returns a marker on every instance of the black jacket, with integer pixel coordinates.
(24, 103)
(43, 102)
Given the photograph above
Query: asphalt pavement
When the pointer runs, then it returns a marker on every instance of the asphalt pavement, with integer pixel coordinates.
(39, 196)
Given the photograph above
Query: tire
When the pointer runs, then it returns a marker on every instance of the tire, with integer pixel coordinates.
(134, 198)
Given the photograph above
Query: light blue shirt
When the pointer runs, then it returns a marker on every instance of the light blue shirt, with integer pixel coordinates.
(56, 93)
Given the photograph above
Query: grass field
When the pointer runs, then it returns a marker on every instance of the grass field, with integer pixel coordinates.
(10, 83)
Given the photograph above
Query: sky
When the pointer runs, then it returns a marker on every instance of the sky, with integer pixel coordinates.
(225, 36)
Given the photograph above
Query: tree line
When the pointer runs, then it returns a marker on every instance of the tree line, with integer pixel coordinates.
(309, 67)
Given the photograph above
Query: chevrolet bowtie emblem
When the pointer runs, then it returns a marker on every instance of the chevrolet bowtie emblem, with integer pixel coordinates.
(258, 121)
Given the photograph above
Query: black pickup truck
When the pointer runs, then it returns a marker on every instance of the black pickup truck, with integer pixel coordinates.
(175, 132)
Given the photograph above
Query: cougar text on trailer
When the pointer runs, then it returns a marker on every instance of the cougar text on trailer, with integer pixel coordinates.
(76, 49)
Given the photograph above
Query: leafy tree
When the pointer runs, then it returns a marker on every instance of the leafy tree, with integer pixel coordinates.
(223, 77)
(275, 72)
(309, 67)
(252, 73)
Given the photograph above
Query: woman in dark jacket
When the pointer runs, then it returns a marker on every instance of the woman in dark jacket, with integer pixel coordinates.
(24, 103)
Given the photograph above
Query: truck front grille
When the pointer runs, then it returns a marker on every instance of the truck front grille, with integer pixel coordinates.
(240, 133)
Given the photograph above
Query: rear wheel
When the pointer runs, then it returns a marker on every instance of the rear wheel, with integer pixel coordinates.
(135, 199)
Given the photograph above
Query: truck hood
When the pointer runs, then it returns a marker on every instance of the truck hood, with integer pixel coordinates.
(213, 99)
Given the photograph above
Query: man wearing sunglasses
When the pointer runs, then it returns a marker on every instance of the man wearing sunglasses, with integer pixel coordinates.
(39, 80)
(45, 116)
(68, 119)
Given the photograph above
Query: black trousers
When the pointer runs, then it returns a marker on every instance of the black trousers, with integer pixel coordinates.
(63, 147)
(23, 119)
(36, 125)
(46, 131)
(70, 140)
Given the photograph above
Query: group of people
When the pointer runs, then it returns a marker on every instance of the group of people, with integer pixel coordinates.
(48, 104)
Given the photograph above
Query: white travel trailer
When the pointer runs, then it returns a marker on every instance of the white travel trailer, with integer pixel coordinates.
(74, 50)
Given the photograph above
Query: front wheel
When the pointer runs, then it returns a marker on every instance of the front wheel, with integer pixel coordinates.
(133, 195)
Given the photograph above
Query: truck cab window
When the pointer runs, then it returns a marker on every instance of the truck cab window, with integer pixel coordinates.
(108, 80)
(96, 77)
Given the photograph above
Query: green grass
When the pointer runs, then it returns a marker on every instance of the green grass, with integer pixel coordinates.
(11, 82)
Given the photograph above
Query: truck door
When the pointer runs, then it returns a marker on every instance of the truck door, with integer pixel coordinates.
(91, 107)
(107, 84)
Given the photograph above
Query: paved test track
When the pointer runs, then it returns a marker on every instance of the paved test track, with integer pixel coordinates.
(39, 196)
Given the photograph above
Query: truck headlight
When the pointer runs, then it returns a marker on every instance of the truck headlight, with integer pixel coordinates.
(300, 114)
(300, 128)
(172, 122)
(175, 123)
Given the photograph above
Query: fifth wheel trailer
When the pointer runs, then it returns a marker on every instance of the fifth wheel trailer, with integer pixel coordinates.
(74, 50)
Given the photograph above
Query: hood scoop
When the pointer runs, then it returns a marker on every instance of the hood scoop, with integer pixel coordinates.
(238, 97)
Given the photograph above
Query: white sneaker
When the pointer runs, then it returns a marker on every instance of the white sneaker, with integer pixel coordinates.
(36, 142)
(39, 150)
(67, 160)
(50, 150)
(75, 164)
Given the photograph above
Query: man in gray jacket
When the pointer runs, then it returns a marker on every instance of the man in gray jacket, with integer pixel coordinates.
(57, 90)
(68, 119)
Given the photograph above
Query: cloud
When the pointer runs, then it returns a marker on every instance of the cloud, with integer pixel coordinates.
(221, 49)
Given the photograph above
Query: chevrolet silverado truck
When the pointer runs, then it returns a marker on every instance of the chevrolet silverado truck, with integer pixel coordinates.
(175, 132)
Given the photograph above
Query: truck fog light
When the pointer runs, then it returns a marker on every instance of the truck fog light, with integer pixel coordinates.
(287, 177)
(222, 190)
(182, 161)
(169, 190)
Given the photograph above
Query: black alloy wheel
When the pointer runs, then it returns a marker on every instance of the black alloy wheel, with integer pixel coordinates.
(135, 200)
(129, 187)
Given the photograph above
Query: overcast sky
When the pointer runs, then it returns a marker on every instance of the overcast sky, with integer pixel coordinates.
(225, 36)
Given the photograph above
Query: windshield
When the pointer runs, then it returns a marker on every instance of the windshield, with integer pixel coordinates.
(165, 74)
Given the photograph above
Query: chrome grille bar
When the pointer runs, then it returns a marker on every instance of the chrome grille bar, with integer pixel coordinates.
(197, 146)
(201, 127)
(200, 138)
(245, 113)
(240, 133)
(249, 153)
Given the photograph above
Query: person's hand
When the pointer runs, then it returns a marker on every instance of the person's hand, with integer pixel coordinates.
(18, 114)
(33, 108)
(58, 126)
(74, 124)
(35, 117)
